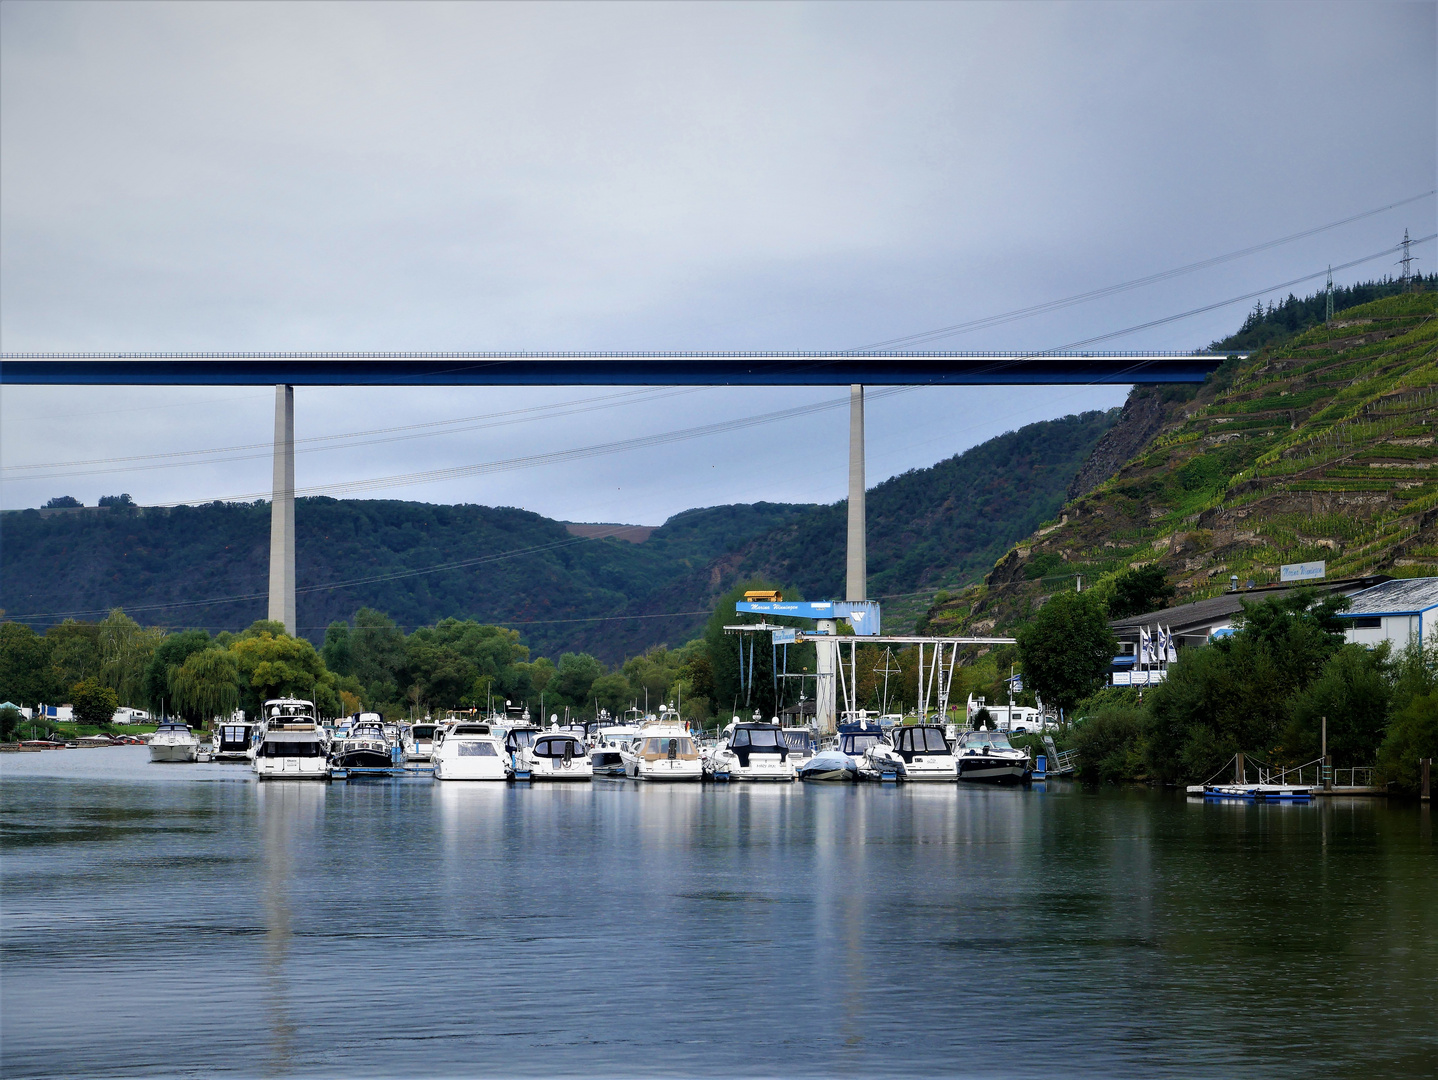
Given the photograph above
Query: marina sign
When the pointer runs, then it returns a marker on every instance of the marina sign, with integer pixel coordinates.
(1302, 571)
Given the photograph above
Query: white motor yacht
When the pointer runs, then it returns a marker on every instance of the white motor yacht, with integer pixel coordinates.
(292, 744)
(366, 745)
(556, 755)
(418, 740)
(802, 745)
(606, 756)
(751, 750)
(517, 739)
(914, 752)
(854, 742)
(173, 741)
(988, 756)
(663, 750)
(468, 750)
(234, 740)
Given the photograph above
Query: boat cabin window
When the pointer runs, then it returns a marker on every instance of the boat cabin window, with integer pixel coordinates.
(290, 749)
(923, 740)
(471, 729)
(799, 740)
(477, 749)
(420, 732)
(755, 737)
(855, 745)
(554, 747)
(661, 746)
(517, 739)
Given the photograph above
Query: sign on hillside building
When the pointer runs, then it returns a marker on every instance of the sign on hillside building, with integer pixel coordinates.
(1302, 571)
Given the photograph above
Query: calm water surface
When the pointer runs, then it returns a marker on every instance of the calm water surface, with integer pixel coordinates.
(184, 920)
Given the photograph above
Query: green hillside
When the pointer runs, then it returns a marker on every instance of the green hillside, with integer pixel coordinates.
(1320, 446)
(420, 563)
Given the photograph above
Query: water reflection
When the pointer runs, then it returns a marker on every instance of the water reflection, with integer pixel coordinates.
(290, 814)
(406, 927)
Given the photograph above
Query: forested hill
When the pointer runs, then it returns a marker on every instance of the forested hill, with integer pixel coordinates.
(1317, 447)
(419, 563)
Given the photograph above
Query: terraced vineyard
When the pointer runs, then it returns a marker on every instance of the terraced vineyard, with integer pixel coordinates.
(1319, 447)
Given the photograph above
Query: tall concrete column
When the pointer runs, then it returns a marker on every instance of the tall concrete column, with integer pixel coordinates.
(826, 652)
(282, 512)
(858, 576)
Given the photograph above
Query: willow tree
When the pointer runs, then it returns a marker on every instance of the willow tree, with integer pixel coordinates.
(206, 685)
(126, 648)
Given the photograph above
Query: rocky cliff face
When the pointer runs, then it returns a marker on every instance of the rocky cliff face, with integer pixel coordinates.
(1143, 414)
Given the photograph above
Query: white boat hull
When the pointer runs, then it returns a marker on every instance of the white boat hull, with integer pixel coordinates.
(666, 770)
(173, 752)
(292, 768)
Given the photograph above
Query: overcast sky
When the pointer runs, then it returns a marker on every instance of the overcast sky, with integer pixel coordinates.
(591, 176)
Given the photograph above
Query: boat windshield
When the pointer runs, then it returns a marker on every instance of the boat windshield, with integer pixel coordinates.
(367, 731)
(422, 732)
(996, 739)
(855, 745)
(661, 746)
(755, 737)
(173, 727)
(799, 740)
(923, 740)
(554, 747)
(520, 737)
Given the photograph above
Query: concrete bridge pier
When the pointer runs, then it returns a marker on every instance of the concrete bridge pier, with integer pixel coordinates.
(282, 512)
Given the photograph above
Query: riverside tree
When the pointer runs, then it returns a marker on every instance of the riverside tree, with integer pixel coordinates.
(94, 704)
(1067, 649)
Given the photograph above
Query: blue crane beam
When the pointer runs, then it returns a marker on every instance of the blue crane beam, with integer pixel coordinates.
(599, 368)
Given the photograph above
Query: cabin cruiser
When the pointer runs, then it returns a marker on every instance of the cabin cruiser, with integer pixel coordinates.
(751, 750)
(914, 752)
(174, 741)
(606, 756)
(987, 755)
(663, 750)
(802, 745)
(556, 755)
(292, 744)
(418, 740)
(468, 750)
(234, 740)
(518, 739)
(366, 745)
(854, 742)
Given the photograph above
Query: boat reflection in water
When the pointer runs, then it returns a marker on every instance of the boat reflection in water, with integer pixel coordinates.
(291, 816)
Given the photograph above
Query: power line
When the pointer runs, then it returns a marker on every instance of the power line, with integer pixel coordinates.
(1110, 290)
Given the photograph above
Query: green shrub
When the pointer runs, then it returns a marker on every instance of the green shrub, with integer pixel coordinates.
(1110, 746)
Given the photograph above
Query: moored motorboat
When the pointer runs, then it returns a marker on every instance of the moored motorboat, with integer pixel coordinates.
(292, 744)
(366, 745)
(988, 757)
(418, 740)
(606, 756)
(802, 745)
(173, 741)
(829, 765)
(234, 740)
(751, 750)
(557, 755)
(854, 742)
(468, 750)
(915, 752)
(663, 750)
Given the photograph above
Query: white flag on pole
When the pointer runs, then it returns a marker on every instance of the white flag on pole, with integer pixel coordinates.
(1144, 649)
(1170, 645)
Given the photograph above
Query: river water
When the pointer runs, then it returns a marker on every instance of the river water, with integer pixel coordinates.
(184, 920)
